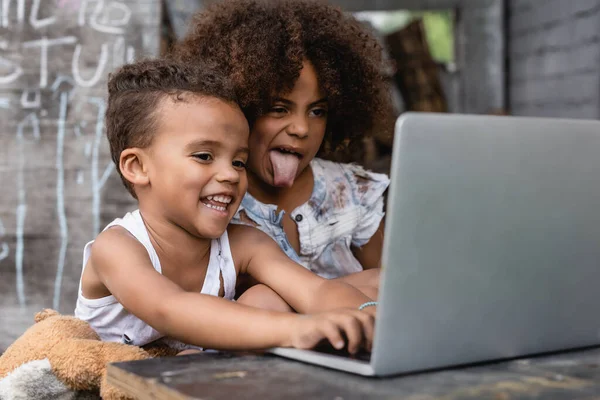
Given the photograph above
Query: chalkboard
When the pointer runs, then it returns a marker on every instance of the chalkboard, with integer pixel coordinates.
(179, 13)
(58, 187)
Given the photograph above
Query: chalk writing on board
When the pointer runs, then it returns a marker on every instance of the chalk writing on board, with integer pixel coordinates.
(106, 17)
(101, 64)
(4, 249)
(60, 197)
(44, 44)
(58, 179)
(6, 6)
(30, 121)
(97, 180)
(15, 71)
(31, 99)
(110, 18)
(34, 19)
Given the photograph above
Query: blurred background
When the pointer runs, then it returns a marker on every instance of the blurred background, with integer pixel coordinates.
(59, 188)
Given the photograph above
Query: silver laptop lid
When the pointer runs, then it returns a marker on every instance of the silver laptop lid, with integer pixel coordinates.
(492, 240)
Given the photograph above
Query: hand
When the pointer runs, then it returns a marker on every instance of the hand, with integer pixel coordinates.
(357, 326)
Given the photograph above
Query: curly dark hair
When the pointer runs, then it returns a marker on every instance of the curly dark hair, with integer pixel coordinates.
(135, 92)
(260, 45)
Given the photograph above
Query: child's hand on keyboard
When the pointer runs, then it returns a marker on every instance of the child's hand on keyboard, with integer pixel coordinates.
(356, 326)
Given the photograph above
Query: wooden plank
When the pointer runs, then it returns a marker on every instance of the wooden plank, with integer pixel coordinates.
(59, 187)
(573, 375)
(141, 387)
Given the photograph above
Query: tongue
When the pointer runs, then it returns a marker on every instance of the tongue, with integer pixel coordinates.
(285, 167)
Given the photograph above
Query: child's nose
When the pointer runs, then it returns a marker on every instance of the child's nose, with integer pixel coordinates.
(227, 173)
(298, 127)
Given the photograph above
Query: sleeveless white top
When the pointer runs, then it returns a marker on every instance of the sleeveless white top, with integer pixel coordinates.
(113, 323)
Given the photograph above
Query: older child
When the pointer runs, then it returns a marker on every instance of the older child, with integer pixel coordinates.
(310, 80)
(168, 270)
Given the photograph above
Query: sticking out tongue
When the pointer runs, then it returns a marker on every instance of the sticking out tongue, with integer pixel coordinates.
(285, 166)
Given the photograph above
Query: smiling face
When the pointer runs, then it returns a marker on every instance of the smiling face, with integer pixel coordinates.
(287, 138)
(196, 165)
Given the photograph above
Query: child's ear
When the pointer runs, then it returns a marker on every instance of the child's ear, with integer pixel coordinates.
(133, 166)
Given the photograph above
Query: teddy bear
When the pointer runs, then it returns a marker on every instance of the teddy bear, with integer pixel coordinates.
(61, 356)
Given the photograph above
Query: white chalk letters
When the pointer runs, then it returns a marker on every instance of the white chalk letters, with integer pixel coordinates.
(48, 88)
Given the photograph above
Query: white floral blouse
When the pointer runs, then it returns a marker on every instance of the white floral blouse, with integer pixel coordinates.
(344, 211)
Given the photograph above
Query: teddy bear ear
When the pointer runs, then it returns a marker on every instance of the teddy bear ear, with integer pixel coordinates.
(45, 313)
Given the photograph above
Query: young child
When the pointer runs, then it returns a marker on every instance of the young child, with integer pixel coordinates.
(168, 270)
(311, 82)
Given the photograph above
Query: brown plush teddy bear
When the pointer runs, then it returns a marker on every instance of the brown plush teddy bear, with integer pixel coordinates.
(63, 354)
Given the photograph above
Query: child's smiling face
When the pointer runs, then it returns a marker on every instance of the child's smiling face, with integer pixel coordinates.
(197, 164)
(287, 138)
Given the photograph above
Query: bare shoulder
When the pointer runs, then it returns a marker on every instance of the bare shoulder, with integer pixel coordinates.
(246, 242)
(243, 235)
(111, 250)
(116, 246)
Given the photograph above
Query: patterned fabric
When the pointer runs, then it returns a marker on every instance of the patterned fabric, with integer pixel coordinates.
(344, 211)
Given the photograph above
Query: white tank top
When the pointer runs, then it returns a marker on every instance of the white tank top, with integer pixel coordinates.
(113, 323)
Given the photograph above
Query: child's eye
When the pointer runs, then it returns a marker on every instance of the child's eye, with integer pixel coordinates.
(278, 110)
(319, 112)
(203, 156)
(239, 164)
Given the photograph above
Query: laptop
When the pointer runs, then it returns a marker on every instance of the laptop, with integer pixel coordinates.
(492, 244)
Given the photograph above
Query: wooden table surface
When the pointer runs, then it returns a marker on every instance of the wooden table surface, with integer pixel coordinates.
(571, 375)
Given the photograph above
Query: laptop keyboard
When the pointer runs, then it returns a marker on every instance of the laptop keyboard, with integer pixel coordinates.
(328, 349)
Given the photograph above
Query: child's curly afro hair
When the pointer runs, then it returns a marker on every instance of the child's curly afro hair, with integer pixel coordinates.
(260, 45)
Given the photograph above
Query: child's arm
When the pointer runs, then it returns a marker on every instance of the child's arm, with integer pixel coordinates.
(369, 255)
(369, 189)
(303, 290)
(124, 268)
